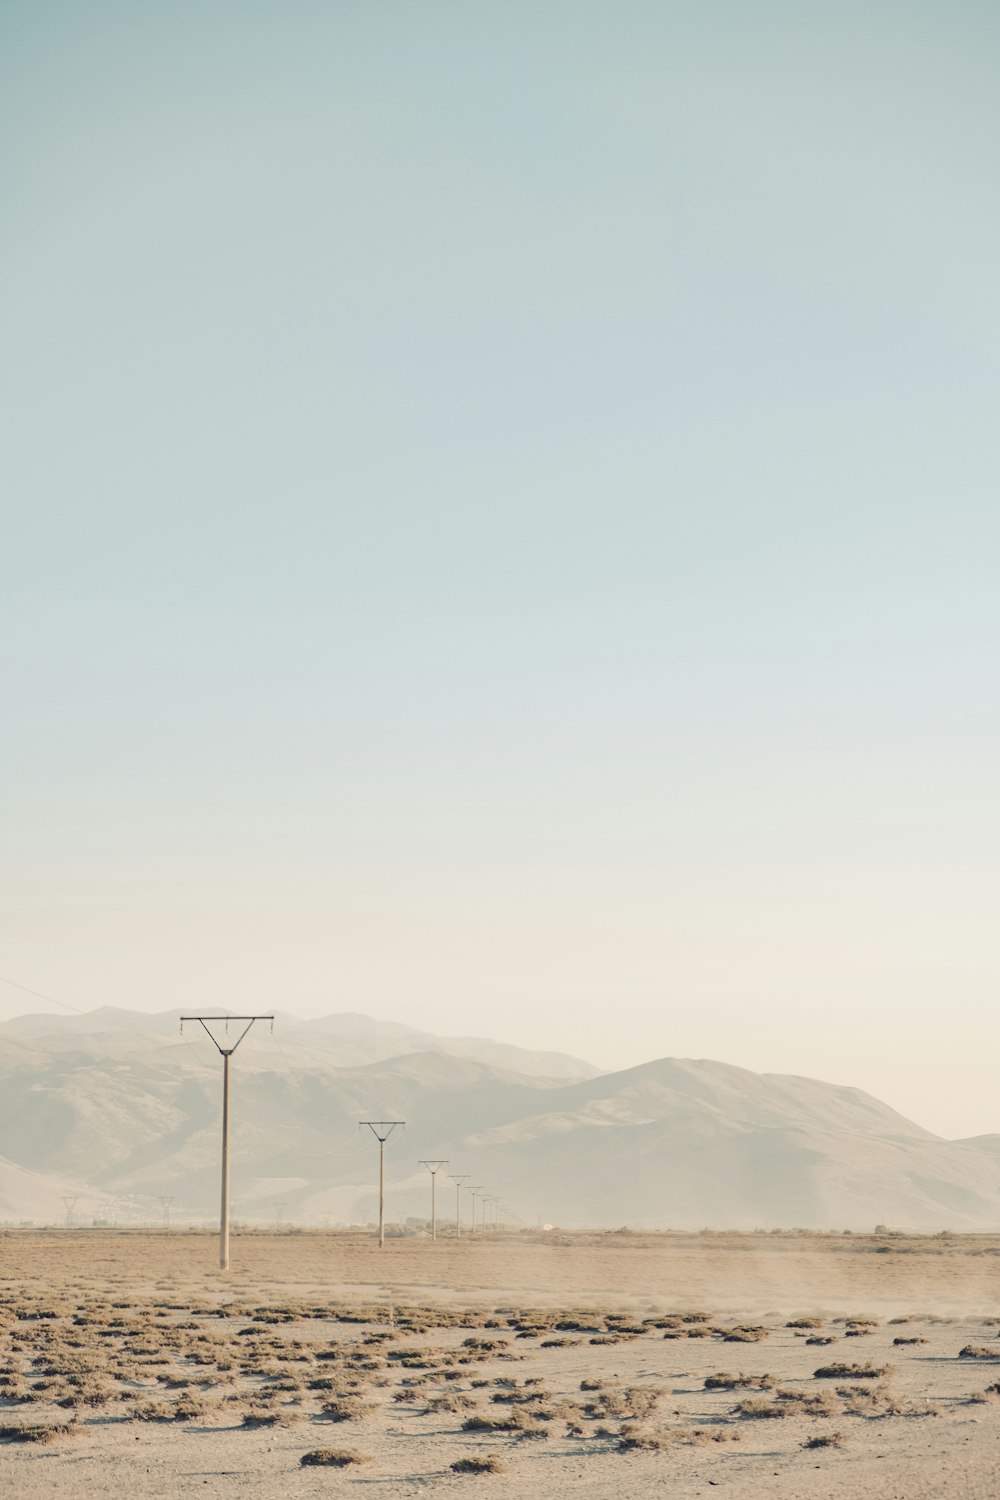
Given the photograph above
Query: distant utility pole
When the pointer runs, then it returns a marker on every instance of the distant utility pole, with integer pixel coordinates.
(434, 1168)
(458, 1201)
(381, 1130)
(166, 1199)
(475, 1191)
(226, 1054)
(70, 1200)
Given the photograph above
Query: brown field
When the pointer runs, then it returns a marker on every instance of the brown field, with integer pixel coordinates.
(794, 1365)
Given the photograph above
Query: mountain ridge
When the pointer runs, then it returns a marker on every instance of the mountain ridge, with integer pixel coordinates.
(673, 1142)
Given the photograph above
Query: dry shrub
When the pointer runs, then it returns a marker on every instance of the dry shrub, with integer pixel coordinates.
(516, 1420)
(761, 1409)
(447, 1401)
(852, 1372)
(746, 1333)
(270, 1416)
(817, 1403)
(723, 1380)
(486, 1463)
(880, 1401)
(343, 1409)
(339, 1384)
(806, 1323)
(820, 1339)
(978, 1351)
(336, 1458)
(555, 1411)
(513, 1396)
(633, 1438)
(826, 1440)
(152, 1411)
(37, 1432)
(909, 1341)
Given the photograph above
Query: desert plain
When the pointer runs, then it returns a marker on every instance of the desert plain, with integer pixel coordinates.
(794, 1365)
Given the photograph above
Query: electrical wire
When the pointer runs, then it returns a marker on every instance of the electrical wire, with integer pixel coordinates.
(51, 999)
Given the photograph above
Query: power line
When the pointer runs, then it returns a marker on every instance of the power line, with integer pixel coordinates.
(50, 999)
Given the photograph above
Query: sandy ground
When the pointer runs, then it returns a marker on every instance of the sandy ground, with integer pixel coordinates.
(138, 1316)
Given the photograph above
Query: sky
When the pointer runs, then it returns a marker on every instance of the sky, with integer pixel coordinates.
(500, 524)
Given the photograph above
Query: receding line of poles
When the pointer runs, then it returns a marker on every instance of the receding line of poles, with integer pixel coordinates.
(474, 1189)
(226, 1054)
(434, 1168)
(381, 1130)
(463, 1177)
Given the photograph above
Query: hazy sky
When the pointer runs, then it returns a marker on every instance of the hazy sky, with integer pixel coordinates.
(501, 524)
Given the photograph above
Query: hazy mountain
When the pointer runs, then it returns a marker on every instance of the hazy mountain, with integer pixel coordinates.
(343, 1040)
(34, 1197)
(132, 1108)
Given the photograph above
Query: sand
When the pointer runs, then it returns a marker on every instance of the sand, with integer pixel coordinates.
(927, 1427)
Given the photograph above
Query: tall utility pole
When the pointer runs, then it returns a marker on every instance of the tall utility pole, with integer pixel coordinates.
(226, 1054)
(166, 1199)
(475, 1191)
(458, 1201)
(381, 1130)
(433, 1168)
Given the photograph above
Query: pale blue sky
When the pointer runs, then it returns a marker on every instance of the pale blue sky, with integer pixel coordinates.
(501, 525)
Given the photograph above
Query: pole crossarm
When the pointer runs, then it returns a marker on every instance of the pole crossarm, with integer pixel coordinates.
(433, 1166)
(381, 1129)
(223, 1051)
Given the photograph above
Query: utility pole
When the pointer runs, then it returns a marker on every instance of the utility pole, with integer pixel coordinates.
(475, 1191)
(433, 1168)
(279, 1214)
(166, 1199)
(70, 1200)
(226, 1054)
(381, 1130)
(458, 1202)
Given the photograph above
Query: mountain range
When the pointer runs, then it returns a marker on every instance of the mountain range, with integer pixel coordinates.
(116, 1109)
